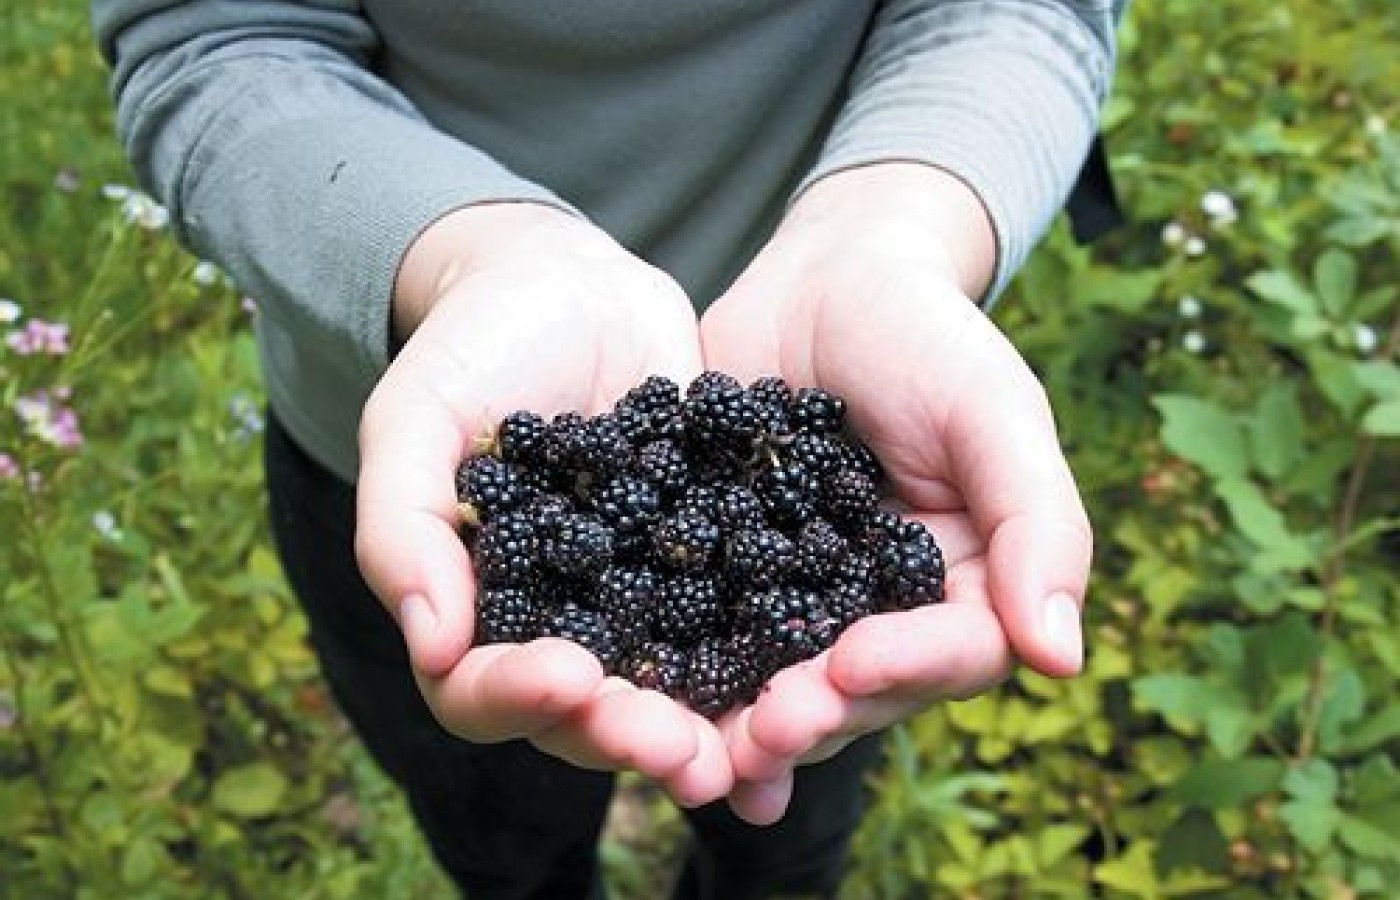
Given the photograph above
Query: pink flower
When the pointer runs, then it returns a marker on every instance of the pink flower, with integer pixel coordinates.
(9, 469)
(49, 420)
(38, 336)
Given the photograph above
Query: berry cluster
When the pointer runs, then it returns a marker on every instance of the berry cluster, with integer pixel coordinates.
(695, 542)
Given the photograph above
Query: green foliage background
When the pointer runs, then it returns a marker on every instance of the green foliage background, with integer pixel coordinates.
(1225, 376)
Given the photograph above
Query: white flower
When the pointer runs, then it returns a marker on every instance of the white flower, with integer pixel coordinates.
(145, 212)
(1220, 207)
(1375, 125)
(1173, 233)
(205, 273)
(1195, 246)
(10, 311)
(116, 191)
(1364, 336)
(106, 525)
(1193, 341)
(1188, 307)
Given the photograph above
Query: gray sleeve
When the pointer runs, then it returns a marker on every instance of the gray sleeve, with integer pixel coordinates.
(1004, 94)
(283, 158)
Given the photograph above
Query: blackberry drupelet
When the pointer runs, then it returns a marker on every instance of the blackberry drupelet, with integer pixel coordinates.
(788, 493)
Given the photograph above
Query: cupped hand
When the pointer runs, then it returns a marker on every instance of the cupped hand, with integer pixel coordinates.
(504, 307)
(864, 291)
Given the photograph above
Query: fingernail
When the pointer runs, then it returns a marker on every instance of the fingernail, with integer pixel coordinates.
(1062, 631)
(416, 615)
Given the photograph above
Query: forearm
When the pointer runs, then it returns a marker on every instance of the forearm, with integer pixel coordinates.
(1001, 94)
(285, 159)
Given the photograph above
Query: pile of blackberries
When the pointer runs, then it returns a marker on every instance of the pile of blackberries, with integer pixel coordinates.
(695, 542)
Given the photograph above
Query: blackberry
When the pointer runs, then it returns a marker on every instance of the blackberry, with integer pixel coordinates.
(601, 448)
(563, 441)
(663, 464)
(773, 403)
(589, 629)
(630, 505)
(657, 666)
(909, 567)
(860, 457)
(720, 414)
(627, 595)
(686, 540)
(650, 410)
(486, 487)
(522, 438)
(817, 410)
(788, 624)
(848, 602)
(856, 569)
(820, 551)
(758, 558)
(578, 545)
(820, 454)
(736, 507)
(848, 497)
(506, 615)
(788, 494)
(508, 550)
(690, 608)
(715, 680)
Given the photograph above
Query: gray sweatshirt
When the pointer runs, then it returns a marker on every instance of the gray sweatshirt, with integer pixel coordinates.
(303, 145)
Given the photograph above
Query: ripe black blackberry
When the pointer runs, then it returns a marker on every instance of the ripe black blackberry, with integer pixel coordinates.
(757, 558)
(589, 629)
(522, 438)
(686, 540)
(788, 624)
(773, 402)
(909, 566)
(817, 410)
(486, 487)
(578, 545)
(508, 550)
(737, 506)
(715, 680)
(628, 596)
(663, 463)
(820, 551)
(819, 453)
(788, 493)
(628, 504)
(690, 607)
(651, 410)
(848, 602)
(601, 448)
(719, 414)
(506, 615)
(848, 497)
(657, 666)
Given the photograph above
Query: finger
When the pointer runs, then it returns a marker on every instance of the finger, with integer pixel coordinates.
(950, 650)
(623, 727)
(751, 761)
(800, 709)
(707, 777)
(504, 691)
(762, 802)
(406, 539)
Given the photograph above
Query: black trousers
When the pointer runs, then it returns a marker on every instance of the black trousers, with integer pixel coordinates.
(504, 820)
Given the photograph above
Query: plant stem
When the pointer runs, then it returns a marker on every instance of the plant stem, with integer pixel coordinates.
(1335, 567)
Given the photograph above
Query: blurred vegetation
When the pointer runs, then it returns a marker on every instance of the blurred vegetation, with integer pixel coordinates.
(1224, 372)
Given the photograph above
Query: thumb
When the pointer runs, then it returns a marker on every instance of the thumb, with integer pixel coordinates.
(1019, 489)
(406, 538)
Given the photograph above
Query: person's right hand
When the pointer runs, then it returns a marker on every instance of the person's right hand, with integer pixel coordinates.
(505, 307)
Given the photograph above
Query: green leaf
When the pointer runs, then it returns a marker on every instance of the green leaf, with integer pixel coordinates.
(1383, 419)
(1313, 781)
(1225, 783)
(1193, 842)
(1334, 273)
(1283, 289)
(1367, 839)
(1312, 822)
(1375, 781)
(1277, 432)
(1132, 873)
(249, 791)
(1203, 433)
(1056, 841)
(1264, 526)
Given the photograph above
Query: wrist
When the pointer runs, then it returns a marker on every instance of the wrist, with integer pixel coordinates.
(469, 239)
(903, 210)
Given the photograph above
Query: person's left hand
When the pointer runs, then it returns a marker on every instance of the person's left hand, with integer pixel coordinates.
(864, 291)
